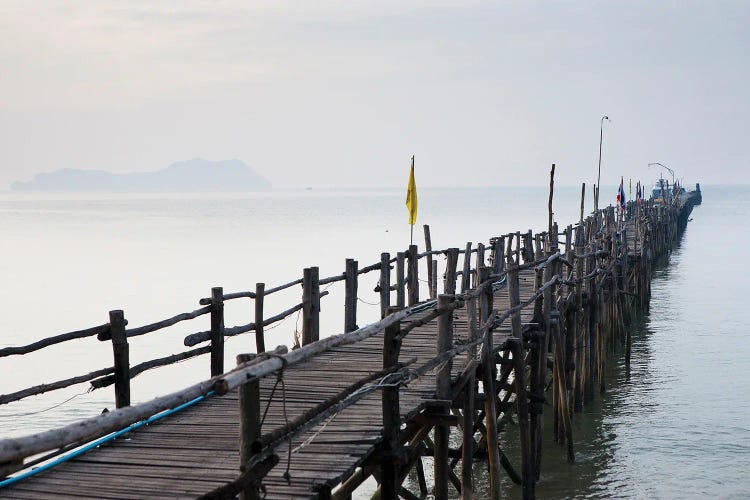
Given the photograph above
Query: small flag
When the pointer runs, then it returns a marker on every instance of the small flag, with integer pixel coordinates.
(411, 196)
(621, 195)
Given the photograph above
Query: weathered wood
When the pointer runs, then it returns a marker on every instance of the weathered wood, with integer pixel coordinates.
(217, 331)
(40, 344)
(60, 384)
(121, 354)
(310, 306)
(385, 284)
(560, 378)
(428, 248)
(136, 370)
(433, 279)
(412, 275)
(466, 273)
(249, 481)
(467, 446)
(260, 340)
(389, 483)
(449, 281)
(490, 394)
(498, 254)
(249, 401)
(228, 296)
(350, 295)
(479, 263)
(400, 280)
(443, 391)
(515, 298)
(519, 368)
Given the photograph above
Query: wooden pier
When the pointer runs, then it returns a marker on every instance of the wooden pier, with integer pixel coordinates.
(525, 326)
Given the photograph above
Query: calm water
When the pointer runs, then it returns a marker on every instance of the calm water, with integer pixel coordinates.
(676, 426)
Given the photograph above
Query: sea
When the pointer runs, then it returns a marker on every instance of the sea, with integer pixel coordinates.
(676, 424)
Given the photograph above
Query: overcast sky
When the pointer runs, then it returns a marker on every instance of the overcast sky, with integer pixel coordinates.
(339, 93)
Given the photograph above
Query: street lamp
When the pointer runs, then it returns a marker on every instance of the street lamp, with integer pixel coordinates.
(599, 174)
(670, 170)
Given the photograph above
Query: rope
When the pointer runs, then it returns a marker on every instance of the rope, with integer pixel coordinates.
(13, 415)
(280, 380)
(368, 303)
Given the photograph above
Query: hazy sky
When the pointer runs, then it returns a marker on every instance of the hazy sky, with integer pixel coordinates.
(341, 93)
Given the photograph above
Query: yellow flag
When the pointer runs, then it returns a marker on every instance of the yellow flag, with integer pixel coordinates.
(411, 196)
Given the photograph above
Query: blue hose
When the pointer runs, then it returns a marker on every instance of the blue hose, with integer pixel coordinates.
(100, 441)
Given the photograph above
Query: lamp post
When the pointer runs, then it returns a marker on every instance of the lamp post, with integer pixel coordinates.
(599, 174)
(670, 170)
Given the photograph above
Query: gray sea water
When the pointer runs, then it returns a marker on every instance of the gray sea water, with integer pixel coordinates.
(675, 426)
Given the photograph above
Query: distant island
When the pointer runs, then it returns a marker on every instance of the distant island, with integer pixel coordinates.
(183, 176)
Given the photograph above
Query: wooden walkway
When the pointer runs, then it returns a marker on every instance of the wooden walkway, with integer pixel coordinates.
(197, 450)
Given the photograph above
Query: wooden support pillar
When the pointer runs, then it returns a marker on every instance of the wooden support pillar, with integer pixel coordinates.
(449, 283)
(479, 263)
(561, 382)
(250, 432)
(350, 295)
(260, 341)
(466, 272)
(310, 305)
(490, 394)
(389, 481)
(385, 283)
(121, 354)
(400, 280)
(515, 298)
(412, 275)
(217, 331)
(579, 339)
(443, 382)
(430, 273)
(467, 447)
(498, 255)
(433, 279)
(522, 407)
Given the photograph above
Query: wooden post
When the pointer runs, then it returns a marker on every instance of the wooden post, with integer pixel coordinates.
(583, 199)
(449, 283)
(443, 381)
(522, 405)
(467, 448)
(121, 353)
(579, 340)
(385, 283)
(561, 381)
(465, 273)
(260, 341)
(250, 432)
(428, 249)
(400, 292)
(479, 263)
(490, 394)
(350, 295)
(515, 298)
(412, 275)
(310, 306)
(389, 481)
(433, 279)
(217, 331)
(498, 255)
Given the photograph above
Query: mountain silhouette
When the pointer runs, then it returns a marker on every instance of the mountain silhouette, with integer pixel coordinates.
(191, 175)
